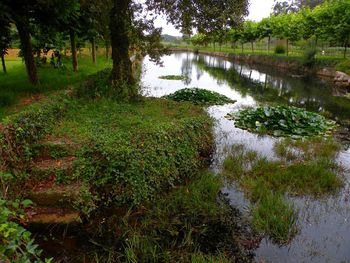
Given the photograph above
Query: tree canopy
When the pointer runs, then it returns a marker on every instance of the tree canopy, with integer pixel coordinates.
(126, 25)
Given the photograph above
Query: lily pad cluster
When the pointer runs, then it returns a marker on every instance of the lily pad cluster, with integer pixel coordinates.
(173, 77)
(283, 121)
(199, 97)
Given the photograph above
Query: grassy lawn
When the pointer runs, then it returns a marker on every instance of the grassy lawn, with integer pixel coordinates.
(14, 85)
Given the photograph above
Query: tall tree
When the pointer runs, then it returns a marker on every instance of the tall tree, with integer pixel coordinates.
(264, 30)
(184, 14)
(5, 36)
(26, 13)
(250, 32)
(292, 6)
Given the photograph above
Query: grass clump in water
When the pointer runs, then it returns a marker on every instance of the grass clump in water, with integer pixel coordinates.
(192, 223)
(283, 121)
(199, 97)
(174, 77)
(304, 169)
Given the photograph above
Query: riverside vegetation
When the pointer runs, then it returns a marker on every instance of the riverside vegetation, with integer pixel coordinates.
(199, 97)
(304, 167)
(78, 154)
(283, 121)
(173, 77)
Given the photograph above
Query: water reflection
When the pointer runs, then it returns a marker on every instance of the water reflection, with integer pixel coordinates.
(324, 222)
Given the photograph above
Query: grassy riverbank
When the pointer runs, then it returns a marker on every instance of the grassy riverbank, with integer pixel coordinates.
(78, 157)
(14, 85)
(335, 62)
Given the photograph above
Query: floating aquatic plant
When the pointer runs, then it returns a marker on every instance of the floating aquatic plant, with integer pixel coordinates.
(174, 77)
(199, 97)
(283, 121)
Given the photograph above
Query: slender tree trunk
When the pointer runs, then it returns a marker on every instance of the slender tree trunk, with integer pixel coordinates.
(74, 50)
(252, 46)
(287, 47)
(27, 49)
(316, 42)
(93, 47)
(345, 47)
(3, 63)
(122, 77)
(107, 49)
(242, 48)
(268, 45)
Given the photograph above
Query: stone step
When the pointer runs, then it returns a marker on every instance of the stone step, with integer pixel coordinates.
(52, 216)
(42, 168)
(54, 147)
(48, 193)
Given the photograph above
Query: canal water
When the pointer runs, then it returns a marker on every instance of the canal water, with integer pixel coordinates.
(324, 222)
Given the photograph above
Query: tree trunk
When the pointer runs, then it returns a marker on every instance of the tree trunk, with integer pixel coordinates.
(345, 47)
(316, 42)
(27, 49)
(252, 46)
(107, 49)
(93, 47)
(268, 45)
(74, 50)
(287, 47)
(122, 78)
(345, 51)
(3, 63)
(242, 48)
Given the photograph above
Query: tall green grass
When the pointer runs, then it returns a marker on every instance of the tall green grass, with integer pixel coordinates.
(306, 167)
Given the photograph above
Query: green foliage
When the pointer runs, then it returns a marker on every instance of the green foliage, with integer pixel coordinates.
(280, 49)
(309, 58)
(16, 243)
(344, 66)
(274, 217)
(192, 223)
(306, 168)
(96, 86)
(199, 97)
(283, 121)
(132, 151)
(173, 77)
(20, 131)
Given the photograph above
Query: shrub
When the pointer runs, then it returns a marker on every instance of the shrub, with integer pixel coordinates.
(95, 86)
(309, 59)
(7, 99)
(344, 66)
(280, 49)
